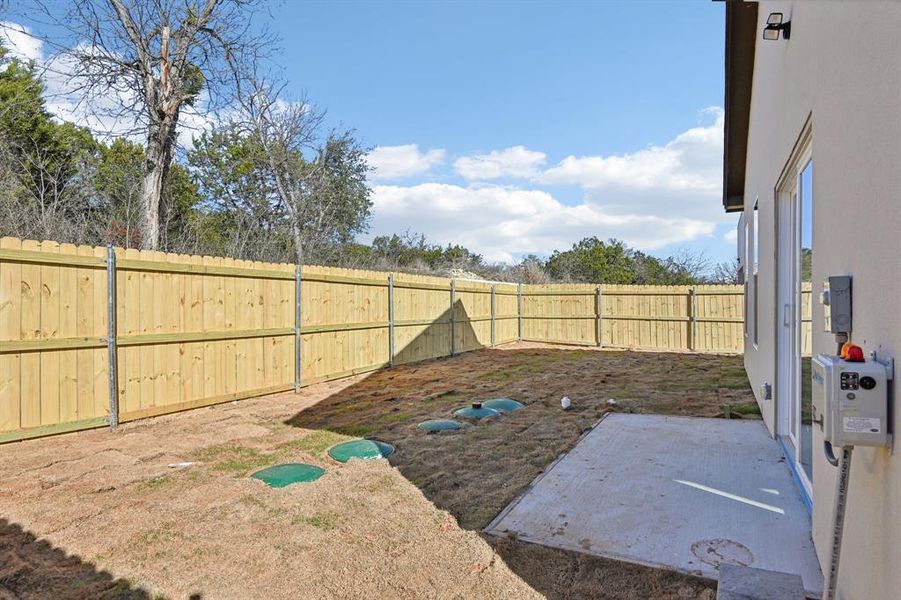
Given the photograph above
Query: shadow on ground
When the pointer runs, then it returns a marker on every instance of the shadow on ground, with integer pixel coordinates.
(33, 568)
(476, 472)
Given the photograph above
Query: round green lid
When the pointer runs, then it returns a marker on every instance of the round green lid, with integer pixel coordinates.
(503, 405)
(476, 411)
(365, 449)
(433, 425)
(284, 475)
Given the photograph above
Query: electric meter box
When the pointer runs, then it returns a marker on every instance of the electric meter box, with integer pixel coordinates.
(836, 300)
(850, 401)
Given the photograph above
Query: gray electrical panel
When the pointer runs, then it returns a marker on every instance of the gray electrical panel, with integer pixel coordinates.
(850, 401)
(836, 299)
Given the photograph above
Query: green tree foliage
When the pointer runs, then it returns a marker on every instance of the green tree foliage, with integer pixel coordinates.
(340, 197)
(243, 211)
(42, 162)
(411, 252)
(594, 261)
(328, 206)
(806, 264)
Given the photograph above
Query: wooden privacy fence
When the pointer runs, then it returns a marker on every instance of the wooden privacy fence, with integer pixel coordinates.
(702, 318)
(92, 336)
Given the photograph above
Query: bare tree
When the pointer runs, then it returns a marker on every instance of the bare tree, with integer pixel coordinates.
(319, 178)
(689, 263)
(139, 64)
(727, 272)
(41, 196)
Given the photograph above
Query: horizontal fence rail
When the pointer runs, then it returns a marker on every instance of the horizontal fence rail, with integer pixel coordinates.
(93, 336)
(693, 318)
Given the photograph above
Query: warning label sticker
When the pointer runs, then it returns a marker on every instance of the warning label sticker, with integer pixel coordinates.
(861, 425)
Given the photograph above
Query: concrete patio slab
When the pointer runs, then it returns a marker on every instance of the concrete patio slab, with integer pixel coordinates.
(678, 492)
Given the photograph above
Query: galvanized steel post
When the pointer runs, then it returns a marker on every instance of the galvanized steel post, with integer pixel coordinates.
(453, 317)
(692, 320)
(298, 314)
(111, 337)
(599, 316)
(493, 314)
(391, 319)
(519, 312)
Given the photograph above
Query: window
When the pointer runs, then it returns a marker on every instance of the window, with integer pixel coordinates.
(755, 267)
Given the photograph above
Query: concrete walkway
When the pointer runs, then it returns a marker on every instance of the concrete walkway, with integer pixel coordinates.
(678, 492)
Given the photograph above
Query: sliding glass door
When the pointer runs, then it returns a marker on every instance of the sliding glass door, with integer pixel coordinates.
(794, 258)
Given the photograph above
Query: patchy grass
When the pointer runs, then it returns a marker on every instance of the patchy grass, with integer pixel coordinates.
(157, 482)
(166, 532)
(747, 408)
(504, 375)
(315, 442)
(577, 355)
(235, 460)
(736, 385)
(324, 521)
(355, 430)
(385, 482)
(394, 417)
(255, 503)
(448, 396)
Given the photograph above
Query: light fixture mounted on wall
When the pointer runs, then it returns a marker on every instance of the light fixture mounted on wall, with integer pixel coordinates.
(774, 25)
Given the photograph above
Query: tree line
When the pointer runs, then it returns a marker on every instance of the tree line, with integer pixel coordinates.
(262, 179)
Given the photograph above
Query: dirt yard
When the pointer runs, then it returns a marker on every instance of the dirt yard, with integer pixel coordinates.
(96, 514)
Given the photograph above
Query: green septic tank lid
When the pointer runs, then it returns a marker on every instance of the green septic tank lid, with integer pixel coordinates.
(476, 411)
(503, 405)
(433, 425)
(280, 476)
(365, 449)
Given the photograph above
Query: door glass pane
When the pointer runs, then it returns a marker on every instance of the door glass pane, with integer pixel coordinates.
(806, 260)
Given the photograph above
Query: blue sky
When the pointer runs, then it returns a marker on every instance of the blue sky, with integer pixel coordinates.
(521, 127)
(569, 78)
(445, 82)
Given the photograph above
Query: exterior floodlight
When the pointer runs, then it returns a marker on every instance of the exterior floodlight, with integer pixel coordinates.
(774, 25)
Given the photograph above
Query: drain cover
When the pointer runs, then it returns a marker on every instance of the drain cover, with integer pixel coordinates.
(476, 411)
(504, 405)
(722, 551)
(284, 475)
(434, 425)
(365, 449)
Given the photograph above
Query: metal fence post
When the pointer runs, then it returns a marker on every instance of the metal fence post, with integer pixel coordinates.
(519, 312)
(493, 315)
(391, 319)
(599, 317)
(111, 337)
(692, 322)
(453, 316)
(298, 316)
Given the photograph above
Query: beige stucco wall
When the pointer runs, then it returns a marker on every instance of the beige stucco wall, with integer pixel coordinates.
(842, 69)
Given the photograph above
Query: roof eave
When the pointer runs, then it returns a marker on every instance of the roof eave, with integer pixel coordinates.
(741, 41)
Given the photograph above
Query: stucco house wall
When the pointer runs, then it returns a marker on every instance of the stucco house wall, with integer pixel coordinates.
(841, 70)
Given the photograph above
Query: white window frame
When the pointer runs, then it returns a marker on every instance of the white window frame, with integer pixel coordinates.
(787, 184)
(754, 268)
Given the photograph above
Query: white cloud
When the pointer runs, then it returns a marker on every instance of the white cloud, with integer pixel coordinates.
(731, 236)
(19, 41)
(656, 197)
(515, 162)
(398, 162)
(504, 223)
(690, 162)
